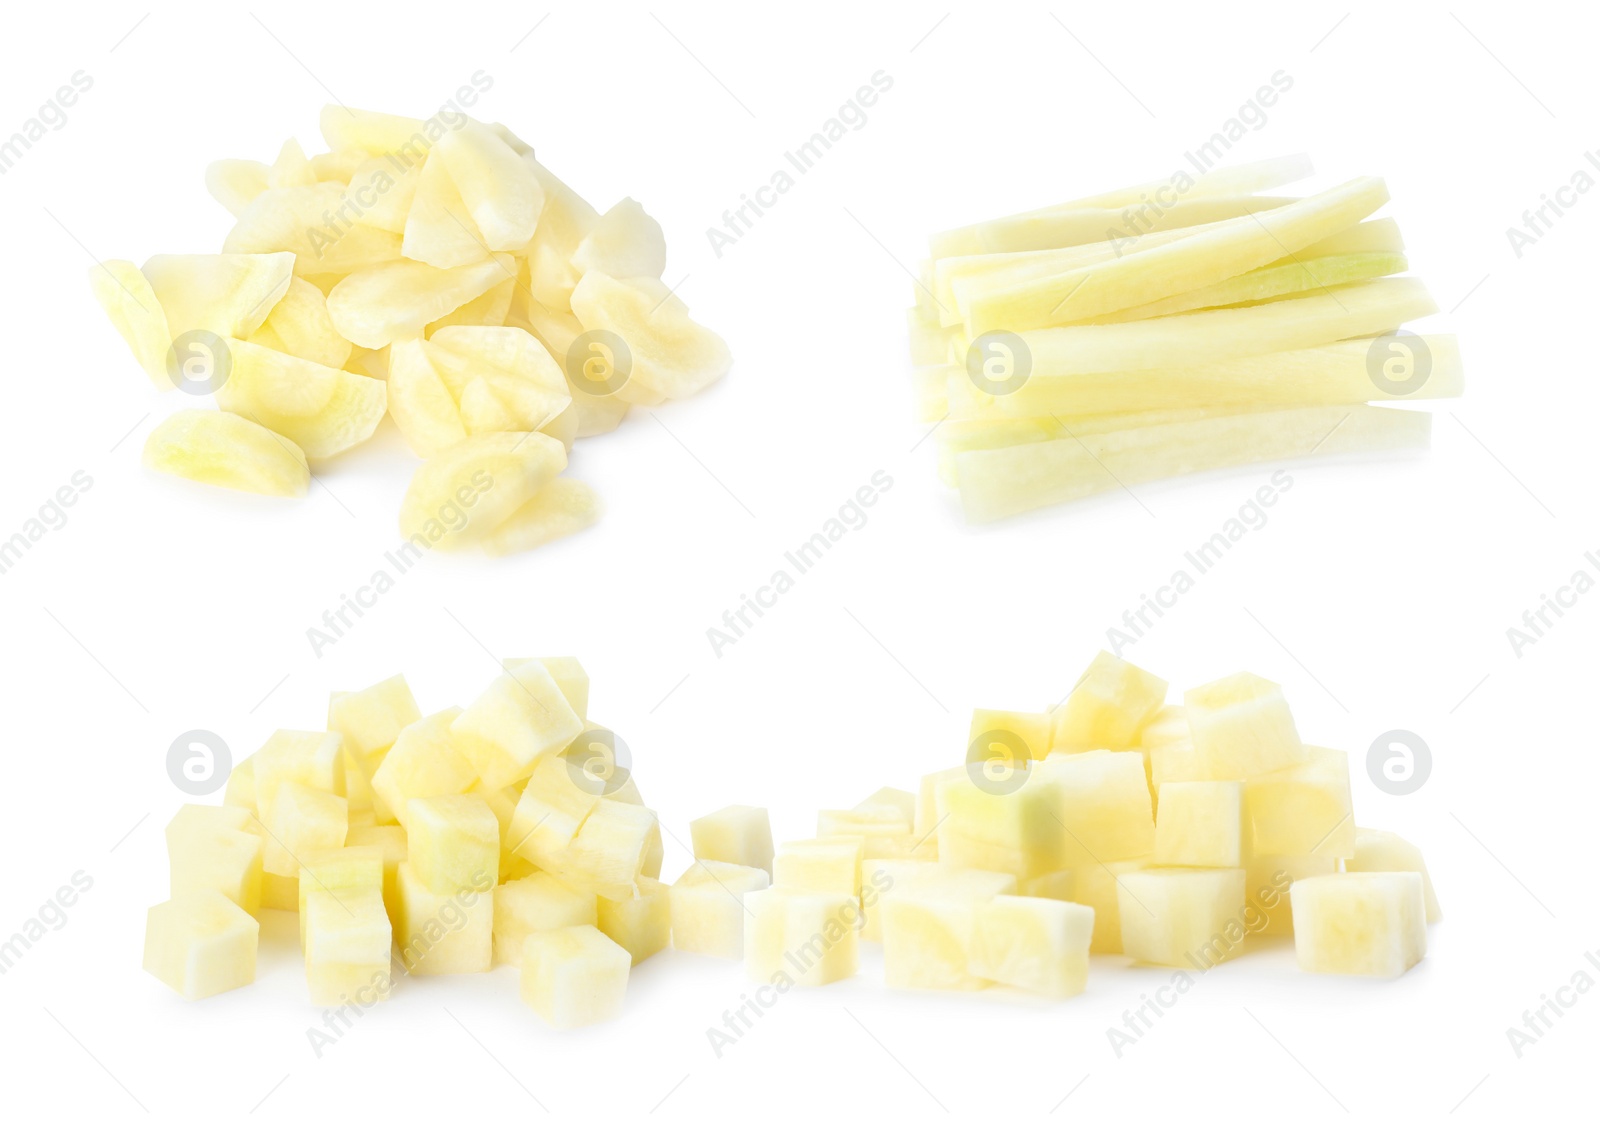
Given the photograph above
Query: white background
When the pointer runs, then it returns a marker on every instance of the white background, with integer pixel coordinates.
(1379, 594)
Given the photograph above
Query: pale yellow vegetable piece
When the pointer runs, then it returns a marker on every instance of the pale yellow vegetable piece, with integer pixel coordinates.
(323, 410)
(561, 508)
(805, 939)
(368, 721)
(520, 717)
(624, 243)
(201, 943)
(279, 893)
(1271, 282)
(443, 932)
(308, 221)
(390, 841)
(928, 926)
(515, 370)
(997, 827)
(818, 867)
(453, 842)
(928, 811)
(1005, 482)
(218, 448)
(235, 183)
(1370, 923)
(290, 169)
(1378, 851)
(439, 227)
(880, 878)
(1304, 810)
(311, 758)
(216, 848)
(489, 309)
(463, 493)
(1041, 945)
(1062, 885)
(670, 356)
(338, 166)
(1192, 918)
(347, 940)
(612, 849)
(569, 675)
(1096, 886)
(871, 823)
(423, 763)
(381, 191)
(375, 133)
(708, 907)
(539, 902)
(574, 976)
(226, 294)
(1242, 727)
(501, 191)
(419, 402)
(1032, 729)
(1268, 879)
(734, 834)
(339, 874)
(642, 925)
(397, 300)
(1201, 825)
(299, 324)
(301, 821)
(563, 223)
(1103, 804)
(1108, 707)
(136, 314)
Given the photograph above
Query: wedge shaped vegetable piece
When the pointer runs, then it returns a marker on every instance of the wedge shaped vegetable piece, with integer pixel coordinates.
(562, 507)
(374, 133)
(999, 483)
(396, 300)
(624, 243)
(382, 188)
(500, 189)
(306, 220)
(218, 448)
(462, 493)
(323, 410)
(299, 324)
(1232, 247)
(525, 379)
(597, 413)
(419, 402)
(291, 169)
(439, 227)
(563, 223)
(235, 183)
(670, 355)
(136, 314)
(339, 166)
(489, 309)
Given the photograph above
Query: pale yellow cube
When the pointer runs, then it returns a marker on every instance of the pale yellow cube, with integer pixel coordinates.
(708, 907)
(422, 763)
(1370, 923)
(347, 940)
(999, 828)
(801, 939)
(642, 925)
(539, 902)
(1268, 880)
(201, 943)
(216, 848)
(574, 976)
(569, 676)
(1241, 727)
(880, 877)
(314, 759)
(888, 797)
(1095, 885)
(444, 933)
(1041, 945)
(617, 842)
(1102, 806)
(369, 720)
(241, 788)
(1106, 709)
(339, 872)
(926, 823)
(302, 822)
(280, 893)
(1003, 733)
(1201, 825)
(453, 841)
(390, 841)
(734, 834)
(519, 717)
(1378, 851)
(1304, 810)
(819, 867)
(928, 925)
(1187, 917)
(550, 810)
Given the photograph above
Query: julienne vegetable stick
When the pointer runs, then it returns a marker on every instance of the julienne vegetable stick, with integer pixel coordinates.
(1280, 279)
(1005, 482)
(1232, 247)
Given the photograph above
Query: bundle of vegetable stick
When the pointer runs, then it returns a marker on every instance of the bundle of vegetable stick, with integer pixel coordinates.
(1170, 328)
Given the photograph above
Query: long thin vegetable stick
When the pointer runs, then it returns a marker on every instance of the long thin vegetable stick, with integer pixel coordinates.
(1272, 281)
(999, 483)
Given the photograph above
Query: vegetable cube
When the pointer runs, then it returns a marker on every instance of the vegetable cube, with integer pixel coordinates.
(300, 822)
(1370, 923)
(1107, 708)
(1378, 851)
(311, 758)
(341, 873)
(390, 841)
(1241, 727)
(1188, 917)
(1268, 879)
(879, 879)
(1096, 886)
(538, 902)
(1041, 945)
(734, 834)
(201, 943)
(520, 717)
(708, 909)
(347, 940)
(453, 842)
(1201, 825)
(928, 925)
(1304, 810)
(801, 938)
(423, 763)
(1017, 831)
(444, 932)
(1102, 806)
(819, 867)
(641, 925)
(216, 848)
(574, 976)
(1031, 729)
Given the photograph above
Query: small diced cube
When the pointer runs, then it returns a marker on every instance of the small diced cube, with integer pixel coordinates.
(301, 822)
(539, 902)
(819, 867)
(642, 925)
(370, 720)
(444, 933)
(1095, 885)
(347, 940)
(928, 925)
(1041, 945)
(201, 943)
(339, 872)
(708, 907)
(280, 893)
(1241, 727)
(390, 841)
(574, 976)
(312, 758)
(1107, 708)
(1378, 851)
(1371, 923)
(880, 878)
(1102, 806)
(734, 834)
(1201, 825)
(453, 841)
(1027, 731)
(520, 716)
(217, 848)
(422, 763)
(569, 676)
(549, 812)
(1187, 917)
(611, 850)
(801, 939)
(1002, 829)
(1304, 810)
